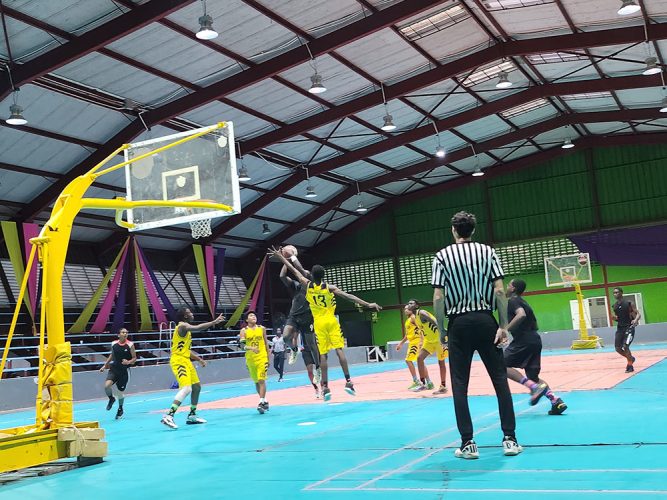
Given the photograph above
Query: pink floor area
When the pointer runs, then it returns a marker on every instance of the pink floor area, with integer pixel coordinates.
(570, 372)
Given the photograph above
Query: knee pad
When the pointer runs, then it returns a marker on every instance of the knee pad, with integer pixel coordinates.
(183, 393)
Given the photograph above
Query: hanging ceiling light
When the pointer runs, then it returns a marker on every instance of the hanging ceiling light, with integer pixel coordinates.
(206, 31)
(478, 172)
(310, 191)
(361, 209)
(652, 67)
(503, 81)
(16, 116)
(440, 152)
(317, 87)
(663, 108)
(628, 7)
(388, 124)
(266, 229)
(243, 174)
(567, 144)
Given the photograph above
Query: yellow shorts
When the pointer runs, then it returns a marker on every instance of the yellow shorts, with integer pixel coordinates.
(436, 347)
(257, 367)
(328, 334)
(184, 371)
(413, 352)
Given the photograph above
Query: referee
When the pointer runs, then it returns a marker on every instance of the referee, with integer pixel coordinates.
(468, 282)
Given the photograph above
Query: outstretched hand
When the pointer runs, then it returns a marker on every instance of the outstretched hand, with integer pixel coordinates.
(375, 306)
(219, 319)
(275, 252)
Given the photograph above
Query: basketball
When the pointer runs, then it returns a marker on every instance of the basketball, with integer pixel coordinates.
(288, 251)
(583, 259)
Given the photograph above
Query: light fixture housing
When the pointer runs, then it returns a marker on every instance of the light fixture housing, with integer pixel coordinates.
(652, 67)
(628, 7)
(567, 144)
(243, 174)
(478, 172)
(16, 116)
(440, 152)
(503, 81)
(316, 87)
(310, 191)
(206, 31)
(663, 108)
(361, 209)
(266, 229)
(388, 124)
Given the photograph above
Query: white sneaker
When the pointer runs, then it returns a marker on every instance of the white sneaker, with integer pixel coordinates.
(510, 447)
(168, 420)
(317, 376)
(293, 355)
(194, 419)
(468, 451)
(317, 394)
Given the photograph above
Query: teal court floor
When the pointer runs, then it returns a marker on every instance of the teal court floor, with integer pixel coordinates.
(610, 443)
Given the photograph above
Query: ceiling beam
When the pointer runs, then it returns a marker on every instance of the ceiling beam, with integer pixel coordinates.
(91, 41)
(509, 167)
(457, 67)
(427, 130)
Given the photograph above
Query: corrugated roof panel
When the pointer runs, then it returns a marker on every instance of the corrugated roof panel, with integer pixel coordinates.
(160, 243)
(275, 100)
(162, 48)
(369, 200)
(455, 104)
(339, 80)
(397, 157)
(245, 125)
(509, 154)
(448, 140)
(454, 40)
(556, 136)
(652, 126)
(352, 135)
(338, 222)
(56, 112)
(27, 150)
(403, 115)
(235, 252)
(581, 70)
(284, 209)
(384, 55)
(321, 16)
(263, 173)
(470, 164)
(26, 42)
(359, 170)
(431, 96)
(533, 116)
(640, 98)
(242, 29)
(304, 150)
(305, 238)
(252, 228)
(623, 54)
(600, 14)
(323, 188)
(74, 16)
(13, 186)
(605, 128)
(102, 72)
(438, 175)
(484, 128)
(398, 187)
(540, 19)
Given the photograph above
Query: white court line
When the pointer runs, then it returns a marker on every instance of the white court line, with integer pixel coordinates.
(388, 454)
(429, 454)
(502, 490)
(524, 471)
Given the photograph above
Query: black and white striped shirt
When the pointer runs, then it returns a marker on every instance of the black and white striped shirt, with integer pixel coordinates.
(467, 271)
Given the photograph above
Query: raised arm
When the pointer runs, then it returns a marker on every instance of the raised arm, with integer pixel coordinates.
(353, 298)
(276, 253)
(426, 318)
(287, 281)
(201, 326)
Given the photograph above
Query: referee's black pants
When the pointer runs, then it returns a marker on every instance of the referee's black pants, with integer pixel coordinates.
(470, 332)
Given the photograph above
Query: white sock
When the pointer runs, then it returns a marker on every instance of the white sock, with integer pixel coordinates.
(262, 400)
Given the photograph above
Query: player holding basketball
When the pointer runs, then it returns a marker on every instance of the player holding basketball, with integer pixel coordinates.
(181, 364)
(627, 318)
(414, 337)
(300, 321)
(321, 297)
(525, 350)
(256, 346)
(121, 358)
(426, 322)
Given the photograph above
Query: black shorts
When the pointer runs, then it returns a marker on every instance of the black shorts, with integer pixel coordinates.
(310, 353)
(624, 336)
(301, 323)
(120, 378)
(526, 355)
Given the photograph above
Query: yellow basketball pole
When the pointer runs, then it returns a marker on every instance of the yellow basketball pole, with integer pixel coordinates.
(36, 444)
(583, 329)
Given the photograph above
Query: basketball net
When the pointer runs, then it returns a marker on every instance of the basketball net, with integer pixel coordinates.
(201, 228)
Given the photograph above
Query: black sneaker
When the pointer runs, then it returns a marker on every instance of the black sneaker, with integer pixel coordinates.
(326, 394)
(557, 407)
(112, 400)
(629, 369)
(119, 413)
(349, 388)
(263, 407)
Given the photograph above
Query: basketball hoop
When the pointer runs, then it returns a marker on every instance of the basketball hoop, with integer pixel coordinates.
(201, 228)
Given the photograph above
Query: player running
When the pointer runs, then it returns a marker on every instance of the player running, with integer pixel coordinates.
(415, 338)
(121, 358)
(256, 346)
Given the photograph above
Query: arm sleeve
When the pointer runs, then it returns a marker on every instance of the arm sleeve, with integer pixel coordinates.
(438, 273)
(496, 268)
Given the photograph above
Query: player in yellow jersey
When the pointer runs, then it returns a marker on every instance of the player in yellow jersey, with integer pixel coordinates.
(433, 344)
(321, 298)
(181, 364)
(256, 346)
(414, 337)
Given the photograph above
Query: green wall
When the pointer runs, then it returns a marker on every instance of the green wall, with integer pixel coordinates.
(556, 198)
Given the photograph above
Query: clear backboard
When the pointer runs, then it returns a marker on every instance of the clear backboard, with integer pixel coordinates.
(201, 169)
(565, 270)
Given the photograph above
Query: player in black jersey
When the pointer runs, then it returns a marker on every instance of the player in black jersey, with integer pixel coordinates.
(300, 321)
(627, 318)
(121, 358)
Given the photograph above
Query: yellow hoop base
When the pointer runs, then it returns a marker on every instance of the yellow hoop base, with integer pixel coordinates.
(593, 342)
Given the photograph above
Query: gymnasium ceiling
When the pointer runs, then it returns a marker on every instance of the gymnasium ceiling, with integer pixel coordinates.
(87, 69)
